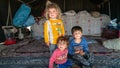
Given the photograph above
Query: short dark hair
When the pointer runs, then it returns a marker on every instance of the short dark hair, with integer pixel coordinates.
(62, 38)
(75, 28)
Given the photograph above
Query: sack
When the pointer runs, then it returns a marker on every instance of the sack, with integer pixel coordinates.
(30, 20)
(22, 17)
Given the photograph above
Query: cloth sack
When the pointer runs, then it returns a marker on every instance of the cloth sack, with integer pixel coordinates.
(22, 17)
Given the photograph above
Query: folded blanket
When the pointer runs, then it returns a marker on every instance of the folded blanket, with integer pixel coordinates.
(112, 44)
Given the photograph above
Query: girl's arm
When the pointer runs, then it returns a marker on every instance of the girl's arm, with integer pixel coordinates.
(46, 34)
(52, 60)
(63, 29)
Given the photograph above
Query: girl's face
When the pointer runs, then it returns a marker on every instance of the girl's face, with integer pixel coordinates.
(77, 34)
(52, 12)
(62, 45)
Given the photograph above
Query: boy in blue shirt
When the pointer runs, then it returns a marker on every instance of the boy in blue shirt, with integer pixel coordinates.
(78, 48)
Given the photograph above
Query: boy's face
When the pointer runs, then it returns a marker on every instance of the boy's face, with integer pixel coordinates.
(77, 34)
(62, 45)
(52, 12)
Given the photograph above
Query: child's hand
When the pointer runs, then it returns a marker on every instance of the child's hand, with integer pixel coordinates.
(81, 52)
(77, 51)
(48, 44)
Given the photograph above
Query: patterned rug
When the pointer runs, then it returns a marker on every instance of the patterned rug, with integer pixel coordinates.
(42, 62)
(30, 53)
(24, 62)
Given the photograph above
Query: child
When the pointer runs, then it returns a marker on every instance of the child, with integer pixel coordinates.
(59, 56)
(78, 48)
(53, 27)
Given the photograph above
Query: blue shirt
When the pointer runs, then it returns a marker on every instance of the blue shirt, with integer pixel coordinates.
(72, 43)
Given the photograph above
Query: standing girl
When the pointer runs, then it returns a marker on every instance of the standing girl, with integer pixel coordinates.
(53, 27)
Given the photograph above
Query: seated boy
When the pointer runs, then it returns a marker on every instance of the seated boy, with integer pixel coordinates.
(78, 48)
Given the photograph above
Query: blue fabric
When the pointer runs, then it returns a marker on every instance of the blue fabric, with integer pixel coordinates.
(29, 21)
(22, 17)
(72, 43)
(65, 65)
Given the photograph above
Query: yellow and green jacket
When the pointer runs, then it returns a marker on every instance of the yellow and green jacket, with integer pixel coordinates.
(52, 30)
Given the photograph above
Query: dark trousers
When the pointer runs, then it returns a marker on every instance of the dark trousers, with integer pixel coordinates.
(86, 60)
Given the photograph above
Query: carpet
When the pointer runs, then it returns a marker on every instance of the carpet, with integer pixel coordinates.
(24, 62)
(30, 53)
(42, 62)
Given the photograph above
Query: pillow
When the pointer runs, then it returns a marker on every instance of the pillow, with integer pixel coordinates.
(112, 44)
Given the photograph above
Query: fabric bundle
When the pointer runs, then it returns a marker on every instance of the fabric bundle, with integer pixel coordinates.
(22, 17)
